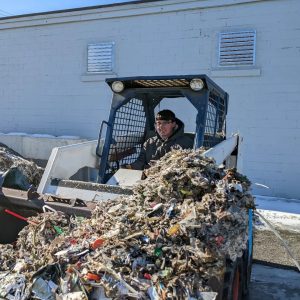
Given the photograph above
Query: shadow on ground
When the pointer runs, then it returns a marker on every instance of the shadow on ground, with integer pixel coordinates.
(269, 283)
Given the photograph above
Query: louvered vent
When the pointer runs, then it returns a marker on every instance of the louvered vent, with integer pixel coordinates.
(100, 57)
(237, 48)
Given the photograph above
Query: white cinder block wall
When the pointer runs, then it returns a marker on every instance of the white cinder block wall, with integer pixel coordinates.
(44, 87)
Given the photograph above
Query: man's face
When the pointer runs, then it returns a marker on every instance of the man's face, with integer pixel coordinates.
(165, 128)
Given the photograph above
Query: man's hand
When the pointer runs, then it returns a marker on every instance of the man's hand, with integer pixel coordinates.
(126, 167)
(117, 156)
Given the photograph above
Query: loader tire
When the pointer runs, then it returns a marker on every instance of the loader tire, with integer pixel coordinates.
(233, 280)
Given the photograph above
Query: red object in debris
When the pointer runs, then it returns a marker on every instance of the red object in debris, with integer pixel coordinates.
(147, 276)
(73, 241)
(69, 270)
(219, 240)
(97, 243)
(19, 217)
(91, 276)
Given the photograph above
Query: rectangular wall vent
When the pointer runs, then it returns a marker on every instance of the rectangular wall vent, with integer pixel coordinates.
(237, 48)
(100, 58)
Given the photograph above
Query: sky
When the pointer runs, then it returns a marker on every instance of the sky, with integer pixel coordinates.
(19, 7)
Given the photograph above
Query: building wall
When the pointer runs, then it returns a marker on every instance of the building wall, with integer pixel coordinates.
(44, 87)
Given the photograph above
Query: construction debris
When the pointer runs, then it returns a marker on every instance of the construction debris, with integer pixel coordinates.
(168, 240)
(16, 171)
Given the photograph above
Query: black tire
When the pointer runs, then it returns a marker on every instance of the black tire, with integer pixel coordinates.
(233, 283)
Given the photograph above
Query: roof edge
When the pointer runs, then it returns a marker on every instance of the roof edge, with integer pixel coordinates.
(78, 9)
(201, 4)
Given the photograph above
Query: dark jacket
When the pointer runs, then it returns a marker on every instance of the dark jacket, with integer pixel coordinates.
(155, 148)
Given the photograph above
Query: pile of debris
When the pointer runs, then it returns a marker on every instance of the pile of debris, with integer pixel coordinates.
(166, 241)
(16, 171)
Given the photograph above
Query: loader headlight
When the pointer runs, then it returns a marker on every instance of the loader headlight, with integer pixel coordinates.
(117, 86)
(197, 84)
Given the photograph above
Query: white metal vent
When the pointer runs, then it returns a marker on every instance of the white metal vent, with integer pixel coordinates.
(237, 48)
(100, 57)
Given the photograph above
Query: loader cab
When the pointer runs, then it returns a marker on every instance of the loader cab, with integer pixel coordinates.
(132, 115)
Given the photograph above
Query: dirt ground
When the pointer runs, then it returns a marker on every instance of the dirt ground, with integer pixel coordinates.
(268, 248)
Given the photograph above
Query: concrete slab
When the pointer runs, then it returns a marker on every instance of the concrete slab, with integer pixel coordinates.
(269, 283)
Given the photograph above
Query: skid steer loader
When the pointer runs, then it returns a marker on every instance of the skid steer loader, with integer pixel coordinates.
(130, 123)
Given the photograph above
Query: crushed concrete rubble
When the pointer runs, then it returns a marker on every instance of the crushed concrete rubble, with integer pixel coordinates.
(14, 166)
(166, 241)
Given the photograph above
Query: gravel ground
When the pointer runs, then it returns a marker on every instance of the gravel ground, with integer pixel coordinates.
(268, 248)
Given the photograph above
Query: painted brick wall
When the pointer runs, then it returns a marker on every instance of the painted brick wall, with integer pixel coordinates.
(44, 87)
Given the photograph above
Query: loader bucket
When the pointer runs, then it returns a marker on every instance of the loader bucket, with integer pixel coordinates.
(11, 226)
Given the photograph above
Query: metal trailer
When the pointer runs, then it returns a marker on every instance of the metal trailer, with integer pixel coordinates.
(130, 123)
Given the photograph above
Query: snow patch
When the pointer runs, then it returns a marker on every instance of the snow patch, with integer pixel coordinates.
(69, 137)
(280, 212)
(17, 133)
(40, 135)
(284, 221)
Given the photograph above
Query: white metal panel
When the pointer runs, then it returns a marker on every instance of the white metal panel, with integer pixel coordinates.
(65, 161)
(221, 151)
(125, 177)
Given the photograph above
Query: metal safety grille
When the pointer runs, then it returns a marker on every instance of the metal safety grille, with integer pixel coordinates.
(128, 135)
(162, 83)
(100, 57)
(214, 131)
(237, 48)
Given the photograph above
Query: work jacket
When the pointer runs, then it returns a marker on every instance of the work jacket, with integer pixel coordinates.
(155, 148)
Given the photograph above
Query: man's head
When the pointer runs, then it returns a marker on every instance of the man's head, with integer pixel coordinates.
(165, 123)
